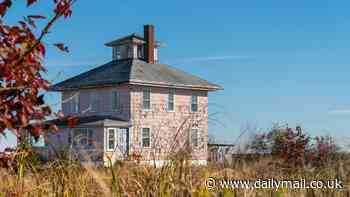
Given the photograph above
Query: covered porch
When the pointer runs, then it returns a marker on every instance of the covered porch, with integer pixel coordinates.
(93, 139)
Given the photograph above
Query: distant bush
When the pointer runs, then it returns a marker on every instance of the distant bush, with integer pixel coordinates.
(294, 147)
(323, 151)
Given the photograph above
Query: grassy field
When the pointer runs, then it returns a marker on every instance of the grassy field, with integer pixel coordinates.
(178, 178)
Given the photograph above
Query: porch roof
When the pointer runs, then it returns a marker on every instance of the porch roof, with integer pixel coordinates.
(92, 121)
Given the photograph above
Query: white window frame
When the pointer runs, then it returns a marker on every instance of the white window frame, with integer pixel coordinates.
(117, 53)
(94, 97)
(129, 51)
(194, 103)
(171, 92)
(88, 135)
(149, 100)
(140, 51)
(197, 137)
(150, 138)
(115, 100)
(114, 130)
(74, 104)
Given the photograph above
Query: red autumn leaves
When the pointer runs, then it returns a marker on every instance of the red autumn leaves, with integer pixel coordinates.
(61, 47)
(30, 19)
(22, 105)
(30, 2)
(4, 6)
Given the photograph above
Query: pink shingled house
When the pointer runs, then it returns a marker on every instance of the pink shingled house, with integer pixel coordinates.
(133, 107)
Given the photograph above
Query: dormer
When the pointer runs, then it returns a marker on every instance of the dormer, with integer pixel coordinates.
(135, 46)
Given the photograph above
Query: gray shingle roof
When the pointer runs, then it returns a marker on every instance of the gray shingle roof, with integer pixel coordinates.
(135, 71)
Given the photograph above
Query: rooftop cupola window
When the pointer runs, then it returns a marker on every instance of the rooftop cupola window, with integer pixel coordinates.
(135, 46)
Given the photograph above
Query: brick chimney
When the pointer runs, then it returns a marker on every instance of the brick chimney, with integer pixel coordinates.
(150, 43)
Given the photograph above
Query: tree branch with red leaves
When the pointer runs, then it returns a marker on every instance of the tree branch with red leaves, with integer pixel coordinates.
(22, 106)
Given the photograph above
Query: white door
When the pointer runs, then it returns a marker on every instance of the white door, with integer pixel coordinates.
(123, 141)
(111, 139)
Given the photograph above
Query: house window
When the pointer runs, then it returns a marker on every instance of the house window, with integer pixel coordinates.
(83, 138)
(146, 137)
(194, 103)
(80, 136)
(194, 137)
(111, 139)
(95, 102)
(74, 103)
(116, 100)
(140, 51)
(146, 99)
(129, 50)
(117, 53)
(171, 101)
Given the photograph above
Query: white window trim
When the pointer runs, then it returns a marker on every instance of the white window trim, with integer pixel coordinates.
(140, 51)
(150, 137)
(86, 130)
(150, 99)
(114, 53)
(174, 93)
(107, 139)
(196, 103)
(198, 137)
(129, 51)
(117, 53)
(74, 103)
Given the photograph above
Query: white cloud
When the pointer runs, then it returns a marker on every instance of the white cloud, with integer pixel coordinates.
(339, 112)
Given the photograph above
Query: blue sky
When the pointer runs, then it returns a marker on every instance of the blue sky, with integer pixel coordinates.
(278, 61)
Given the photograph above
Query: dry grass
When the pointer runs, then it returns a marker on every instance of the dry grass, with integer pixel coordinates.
(63, 178)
